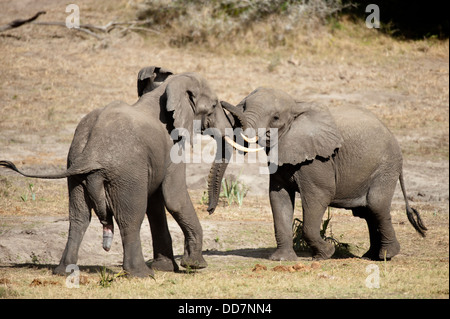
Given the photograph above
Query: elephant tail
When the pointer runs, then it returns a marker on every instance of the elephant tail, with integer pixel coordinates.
(413, 215)
(95, 189)
(71, 171)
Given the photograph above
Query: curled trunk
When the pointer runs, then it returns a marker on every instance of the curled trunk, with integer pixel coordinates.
(237, 114)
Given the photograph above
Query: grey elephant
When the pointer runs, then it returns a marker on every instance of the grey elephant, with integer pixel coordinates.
(119, 165)
(340, 157)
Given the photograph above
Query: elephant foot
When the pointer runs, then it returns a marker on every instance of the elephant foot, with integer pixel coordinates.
(60, 270)
(140, 272)
(164, 264)
(385, 252)
(371, 254)
(389, 251)
(284, 254)
(193, 262)
(325, 253)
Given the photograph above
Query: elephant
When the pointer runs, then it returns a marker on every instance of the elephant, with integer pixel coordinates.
(340, 157)
(119, 165)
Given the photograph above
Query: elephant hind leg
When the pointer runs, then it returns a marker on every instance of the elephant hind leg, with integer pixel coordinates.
(129, 206)
(163, 258)
(379, 217)
(374, 234)
(79, 218)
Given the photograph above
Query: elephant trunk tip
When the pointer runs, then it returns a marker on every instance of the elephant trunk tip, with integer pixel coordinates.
(211, 209)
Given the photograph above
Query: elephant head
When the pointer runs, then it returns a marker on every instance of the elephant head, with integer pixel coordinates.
(189, 97)
(150, 78)
(305, 131)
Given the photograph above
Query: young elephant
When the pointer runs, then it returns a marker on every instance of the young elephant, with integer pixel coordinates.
(119, 165)
(340, 157)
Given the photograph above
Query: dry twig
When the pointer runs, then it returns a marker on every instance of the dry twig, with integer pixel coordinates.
(86, 28)
(18, 22)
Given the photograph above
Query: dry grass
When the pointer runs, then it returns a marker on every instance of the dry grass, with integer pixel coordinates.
(51, 77)
(415, 273)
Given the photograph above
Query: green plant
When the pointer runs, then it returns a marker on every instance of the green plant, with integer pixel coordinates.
(190, 270)
(107, 277)
(24, 196)
(234, 191)
(300, 244)
(205, 198)
(34, 259)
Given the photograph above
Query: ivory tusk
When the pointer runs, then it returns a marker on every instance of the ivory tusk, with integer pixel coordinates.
(249, 140)
(240, 147)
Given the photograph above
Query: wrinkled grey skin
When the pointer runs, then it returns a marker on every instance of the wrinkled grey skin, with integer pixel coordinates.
(119, 165)
(340, 157)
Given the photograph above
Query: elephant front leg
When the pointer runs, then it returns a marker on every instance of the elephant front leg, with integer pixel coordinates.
(282, 203)
(179, 205)
(129, 206)
(312, 220)
(186, 217)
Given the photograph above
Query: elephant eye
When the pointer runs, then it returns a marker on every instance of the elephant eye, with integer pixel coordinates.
(276, 118)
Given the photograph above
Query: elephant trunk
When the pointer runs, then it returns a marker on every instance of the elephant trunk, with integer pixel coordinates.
(240, 117)
(216, 173)
(223, 156)
(237, 114)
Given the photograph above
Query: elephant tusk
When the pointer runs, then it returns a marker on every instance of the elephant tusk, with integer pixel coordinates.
(249, 140)
(240, 147)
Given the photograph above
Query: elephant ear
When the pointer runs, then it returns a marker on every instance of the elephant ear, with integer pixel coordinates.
(313, 133)
(150, 78)
(180, 92)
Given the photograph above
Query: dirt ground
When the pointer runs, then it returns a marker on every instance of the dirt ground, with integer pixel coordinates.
(51, 76)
